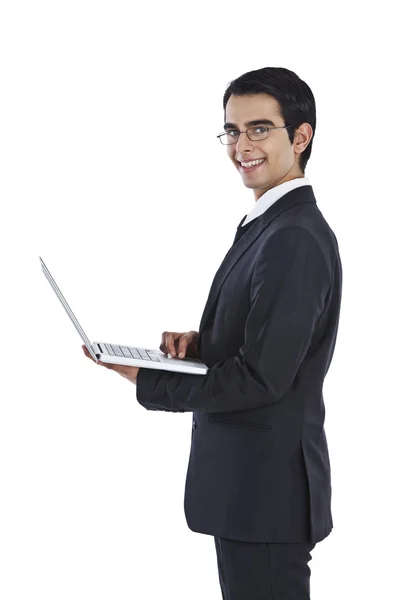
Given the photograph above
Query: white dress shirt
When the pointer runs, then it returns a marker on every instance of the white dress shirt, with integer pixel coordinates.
(272, 195)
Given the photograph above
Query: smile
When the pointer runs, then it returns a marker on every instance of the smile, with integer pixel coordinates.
(252, 165)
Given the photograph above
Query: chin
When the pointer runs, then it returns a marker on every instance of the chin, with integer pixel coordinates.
(250, 186)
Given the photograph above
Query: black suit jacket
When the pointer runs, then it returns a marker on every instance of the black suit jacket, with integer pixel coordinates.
(259, 468)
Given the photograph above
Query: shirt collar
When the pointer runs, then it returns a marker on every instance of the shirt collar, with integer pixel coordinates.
(272, 195)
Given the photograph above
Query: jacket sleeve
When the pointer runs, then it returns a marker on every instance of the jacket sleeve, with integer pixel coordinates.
(289, 287)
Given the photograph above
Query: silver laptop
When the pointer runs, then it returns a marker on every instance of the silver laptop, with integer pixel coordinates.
(128, 355)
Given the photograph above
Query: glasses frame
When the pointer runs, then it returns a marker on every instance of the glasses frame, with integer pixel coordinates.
(246, 132)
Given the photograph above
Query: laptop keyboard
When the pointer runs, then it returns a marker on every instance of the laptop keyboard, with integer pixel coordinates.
(130, 352)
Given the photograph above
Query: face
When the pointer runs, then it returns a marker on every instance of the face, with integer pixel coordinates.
(281, 159)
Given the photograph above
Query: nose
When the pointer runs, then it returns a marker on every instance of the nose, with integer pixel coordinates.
(243, 144)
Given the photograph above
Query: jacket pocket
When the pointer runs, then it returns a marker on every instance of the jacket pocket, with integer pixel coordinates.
(236, 424)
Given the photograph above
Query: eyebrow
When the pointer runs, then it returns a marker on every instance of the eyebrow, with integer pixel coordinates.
(251, 123)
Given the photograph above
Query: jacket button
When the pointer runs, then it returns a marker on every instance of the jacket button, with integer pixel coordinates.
(194, 425)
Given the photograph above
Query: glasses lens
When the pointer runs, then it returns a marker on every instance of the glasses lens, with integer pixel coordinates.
(231, 137)
(257, 133)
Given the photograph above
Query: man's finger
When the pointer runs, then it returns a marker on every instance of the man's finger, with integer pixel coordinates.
(87, 353)
(182, 348)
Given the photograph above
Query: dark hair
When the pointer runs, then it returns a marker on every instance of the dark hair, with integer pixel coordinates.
(295, 98)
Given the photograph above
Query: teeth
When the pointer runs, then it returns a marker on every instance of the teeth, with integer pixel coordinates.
(252, 163)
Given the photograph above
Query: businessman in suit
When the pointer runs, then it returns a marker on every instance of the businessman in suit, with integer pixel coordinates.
(258, 476)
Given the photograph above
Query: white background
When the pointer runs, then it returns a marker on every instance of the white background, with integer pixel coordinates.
(111, 171)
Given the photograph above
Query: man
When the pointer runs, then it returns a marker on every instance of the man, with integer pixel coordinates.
(258, 477)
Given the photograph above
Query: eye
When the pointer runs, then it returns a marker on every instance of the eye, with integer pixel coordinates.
(232, 133)
(263, 129)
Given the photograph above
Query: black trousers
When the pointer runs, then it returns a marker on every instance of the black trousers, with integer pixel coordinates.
(263, 571)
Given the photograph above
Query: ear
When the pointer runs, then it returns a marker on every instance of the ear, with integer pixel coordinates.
(302, 137)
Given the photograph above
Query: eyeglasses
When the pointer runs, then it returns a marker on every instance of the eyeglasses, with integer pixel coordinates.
(255, 134)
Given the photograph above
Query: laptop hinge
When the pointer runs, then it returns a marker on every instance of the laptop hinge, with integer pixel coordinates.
(97, 348)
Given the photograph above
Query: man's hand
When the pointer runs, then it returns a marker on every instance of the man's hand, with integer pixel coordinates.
(129, 373)
(180, 344)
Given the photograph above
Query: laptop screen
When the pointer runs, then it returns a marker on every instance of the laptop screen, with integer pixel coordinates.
(68, 309)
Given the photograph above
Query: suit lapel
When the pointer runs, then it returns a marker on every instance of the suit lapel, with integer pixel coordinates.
(300, 195)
